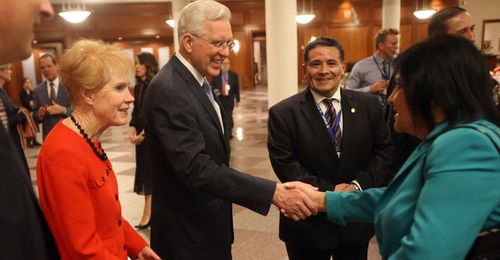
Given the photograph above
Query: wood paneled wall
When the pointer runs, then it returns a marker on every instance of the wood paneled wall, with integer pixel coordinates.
(140, 24)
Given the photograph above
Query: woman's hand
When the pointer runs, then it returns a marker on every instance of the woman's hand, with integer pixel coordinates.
(148, 253)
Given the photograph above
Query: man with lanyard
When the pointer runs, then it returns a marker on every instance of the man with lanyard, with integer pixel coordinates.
(334, 139)
(372, 73)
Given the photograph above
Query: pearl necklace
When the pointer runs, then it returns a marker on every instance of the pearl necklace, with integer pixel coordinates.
(102, 156)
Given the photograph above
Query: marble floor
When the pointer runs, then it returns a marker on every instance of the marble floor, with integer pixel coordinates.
(256, 236)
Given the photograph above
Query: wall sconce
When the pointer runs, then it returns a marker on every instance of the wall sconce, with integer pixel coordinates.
(423, 13)
(76, 13)
(304, 17)
(236, 47)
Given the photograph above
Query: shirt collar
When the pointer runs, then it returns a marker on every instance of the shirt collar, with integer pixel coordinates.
(318, 98)
(197, 75)
(55, 81)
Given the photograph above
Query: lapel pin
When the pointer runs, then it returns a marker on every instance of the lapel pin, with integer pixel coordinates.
(353, 110)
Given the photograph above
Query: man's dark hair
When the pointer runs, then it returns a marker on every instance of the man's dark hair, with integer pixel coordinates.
(48, 55)
(323, 41)
(449, 72)
(437, 24)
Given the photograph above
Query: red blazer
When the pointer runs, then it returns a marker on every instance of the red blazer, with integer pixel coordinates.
(79, 198)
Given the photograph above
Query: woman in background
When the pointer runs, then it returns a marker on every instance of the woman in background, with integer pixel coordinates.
(10, 114)
(27, 102)
(447, 191)
(146, 68)
(76, 182)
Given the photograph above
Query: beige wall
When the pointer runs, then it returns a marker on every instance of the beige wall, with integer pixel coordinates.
(482, 10)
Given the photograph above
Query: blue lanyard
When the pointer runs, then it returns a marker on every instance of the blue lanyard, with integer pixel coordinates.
(337, 121)
(385, 74)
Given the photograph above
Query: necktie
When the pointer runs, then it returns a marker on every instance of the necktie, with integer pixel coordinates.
(224, 83)
(385, 72)
(52, 91)
(331, 119)
(208, 90)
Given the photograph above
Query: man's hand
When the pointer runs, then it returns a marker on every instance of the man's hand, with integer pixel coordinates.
(379, 86)
(134, 137)
(293, 203)
(312, 192)
(148, 253)
(42, 111)
(56, 109)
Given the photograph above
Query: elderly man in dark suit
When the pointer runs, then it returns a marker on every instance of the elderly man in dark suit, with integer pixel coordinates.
(334, 139)
(23, 231)
(52, 102)
(194, 188)
(227, 88)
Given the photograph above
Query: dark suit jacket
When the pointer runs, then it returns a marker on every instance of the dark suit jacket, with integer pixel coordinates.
(301, 149)
(14, 118)
(42, 98)
(234, 90)
(193, 186)
(23, 230)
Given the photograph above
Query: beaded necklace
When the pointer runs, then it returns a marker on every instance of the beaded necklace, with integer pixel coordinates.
(102, 156)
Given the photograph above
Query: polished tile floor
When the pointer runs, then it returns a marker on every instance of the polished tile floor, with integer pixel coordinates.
(256, 236)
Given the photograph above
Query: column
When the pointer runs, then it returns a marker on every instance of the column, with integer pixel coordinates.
(391, 13)
(177, 6)
(281, 41)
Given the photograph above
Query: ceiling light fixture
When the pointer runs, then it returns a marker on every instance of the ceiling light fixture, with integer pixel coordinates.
(170, 22)
(74, 13)
(304, 17)
(423, 13)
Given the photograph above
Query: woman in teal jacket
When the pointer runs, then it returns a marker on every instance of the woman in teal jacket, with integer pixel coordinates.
(447, 191)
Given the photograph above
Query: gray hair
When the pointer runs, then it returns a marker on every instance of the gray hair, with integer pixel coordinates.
(192, 16)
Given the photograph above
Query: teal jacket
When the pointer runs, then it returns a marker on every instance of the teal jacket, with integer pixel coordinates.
(442, 197)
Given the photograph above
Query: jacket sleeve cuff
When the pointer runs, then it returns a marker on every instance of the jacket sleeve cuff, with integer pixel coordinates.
(334, 207)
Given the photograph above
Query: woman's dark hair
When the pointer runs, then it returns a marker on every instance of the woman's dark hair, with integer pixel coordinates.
(449, 72)
(147, 59)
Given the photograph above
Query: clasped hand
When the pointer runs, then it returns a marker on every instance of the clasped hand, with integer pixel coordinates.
(296, 200)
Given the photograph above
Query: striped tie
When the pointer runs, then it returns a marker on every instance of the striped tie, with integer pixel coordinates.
(331, 116)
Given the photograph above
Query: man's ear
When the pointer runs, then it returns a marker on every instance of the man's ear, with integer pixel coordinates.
(86, 96)
(187, 42)
(304, 70)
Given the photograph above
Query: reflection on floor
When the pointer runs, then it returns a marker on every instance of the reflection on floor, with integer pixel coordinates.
(256, 236)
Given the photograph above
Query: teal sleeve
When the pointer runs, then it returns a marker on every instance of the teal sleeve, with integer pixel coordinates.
(355, 206)
(460, 196)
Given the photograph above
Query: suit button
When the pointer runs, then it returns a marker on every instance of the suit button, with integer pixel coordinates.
(124, 247)
(119, 222)
(116, 196)
(107, 171)
(103, 178)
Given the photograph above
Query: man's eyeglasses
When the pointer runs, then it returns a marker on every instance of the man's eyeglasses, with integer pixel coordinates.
(218, 44)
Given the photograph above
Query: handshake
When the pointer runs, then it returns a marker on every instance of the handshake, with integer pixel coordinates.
(298, 200)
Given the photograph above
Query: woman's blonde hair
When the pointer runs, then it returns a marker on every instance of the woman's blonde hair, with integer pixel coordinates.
(89, 64)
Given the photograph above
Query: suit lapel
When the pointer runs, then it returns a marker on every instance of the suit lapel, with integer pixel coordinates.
(198, 92)
(45, 94)
(349, 107)
(313, 117)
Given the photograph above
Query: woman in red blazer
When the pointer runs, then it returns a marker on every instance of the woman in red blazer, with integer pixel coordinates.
(77, 185)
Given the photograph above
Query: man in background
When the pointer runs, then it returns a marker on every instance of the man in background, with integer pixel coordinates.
(24, 234)
(372, 74)
(52, 102)
(227, 88)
